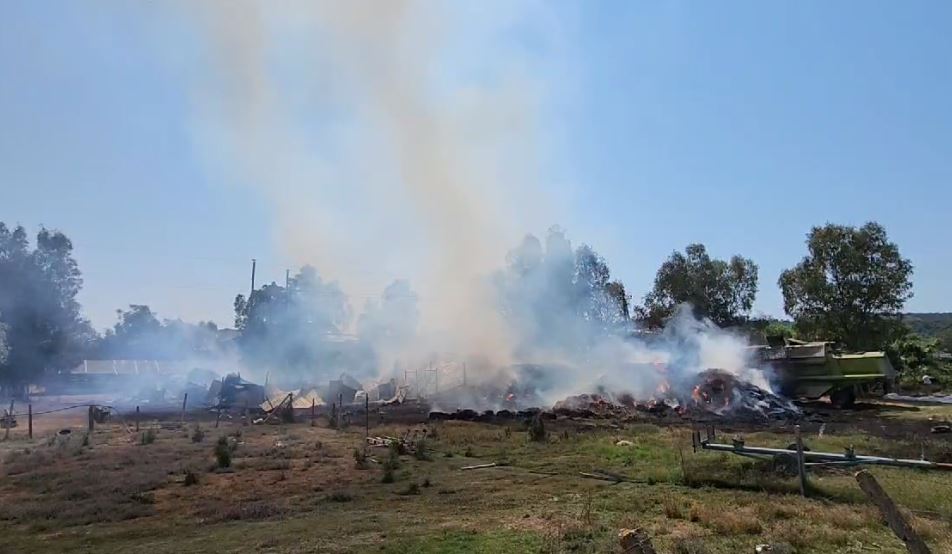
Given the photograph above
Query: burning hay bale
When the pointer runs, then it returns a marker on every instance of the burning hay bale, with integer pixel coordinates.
(723, 393)
(590, 405)
(714, 393)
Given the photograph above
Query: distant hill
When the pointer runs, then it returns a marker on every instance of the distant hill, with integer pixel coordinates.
(929, 324)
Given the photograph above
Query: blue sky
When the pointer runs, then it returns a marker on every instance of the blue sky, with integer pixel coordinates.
(736, 124)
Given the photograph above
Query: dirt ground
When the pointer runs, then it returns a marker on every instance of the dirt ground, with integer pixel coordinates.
(302, 488)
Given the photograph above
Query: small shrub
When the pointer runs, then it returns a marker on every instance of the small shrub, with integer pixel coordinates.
(360, 458)
(469, 452)
(447, 454)
(148, 436)
(671, 509)
(340, 496)
(387, 475)
(412, 489)
(508, 432)
(537, 431)
(86, 439)
(419, 451)
(393, 459)
(398, 447)
(426, 483)
(191, 478)
(694, 514)
(223, 452)
(198, 435)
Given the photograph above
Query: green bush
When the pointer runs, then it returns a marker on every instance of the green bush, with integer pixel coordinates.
(419, 451)
(223, 452)
(360, 458)
(148, 436)
(537, 431)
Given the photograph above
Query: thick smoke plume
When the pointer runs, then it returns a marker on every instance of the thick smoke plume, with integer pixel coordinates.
(381, 158)
(375, 163)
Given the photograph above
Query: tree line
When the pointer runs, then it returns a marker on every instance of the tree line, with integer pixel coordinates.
(850, 287)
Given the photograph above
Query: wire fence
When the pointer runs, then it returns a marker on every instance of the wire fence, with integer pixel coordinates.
(98, 413)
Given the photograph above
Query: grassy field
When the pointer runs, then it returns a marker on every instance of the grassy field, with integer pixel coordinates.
(297, 488)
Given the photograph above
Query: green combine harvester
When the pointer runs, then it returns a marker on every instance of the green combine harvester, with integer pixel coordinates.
(814, 369)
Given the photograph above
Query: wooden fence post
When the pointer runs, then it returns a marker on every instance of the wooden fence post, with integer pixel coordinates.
(366, 415)
(801, 468)
(892, 515)
(184, 404)
(6, 435)
(29, 419)
(92, 422)
(313, 405)
(137, 419)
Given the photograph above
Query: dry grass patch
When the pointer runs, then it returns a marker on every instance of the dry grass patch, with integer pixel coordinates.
(728, 520)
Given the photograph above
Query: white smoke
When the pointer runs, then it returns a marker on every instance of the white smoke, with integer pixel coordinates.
(377, 162)
(400, 139)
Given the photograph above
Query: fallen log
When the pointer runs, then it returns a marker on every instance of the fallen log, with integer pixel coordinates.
(891, 513)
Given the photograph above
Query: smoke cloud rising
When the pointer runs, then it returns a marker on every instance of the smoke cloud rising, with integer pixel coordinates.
(376, 162)
(400, 140)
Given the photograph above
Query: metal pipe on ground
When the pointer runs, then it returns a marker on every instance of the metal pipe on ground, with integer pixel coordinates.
(819, 457)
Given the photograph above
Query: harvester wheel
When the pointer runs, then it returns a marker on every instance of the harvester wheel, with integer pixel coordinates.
(843, 398)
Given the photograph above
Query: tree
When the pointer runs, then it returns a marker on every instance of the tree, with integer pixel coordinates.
(598, 300)
(392, 320)
(38, 288)
(915, 352)
(945, 340)
(137, 334)
(293, 327)
(850, 287)
(722, 291)
(559, 300)
(140, 335)
(4, 349)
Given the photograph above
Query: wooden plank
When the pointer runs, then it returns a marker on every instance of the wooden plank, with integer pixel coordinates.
(480, 466)
(891, 513)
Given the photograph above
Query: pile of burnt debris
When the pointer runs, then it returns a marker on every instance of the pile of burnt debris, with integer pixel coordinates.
(491, 416)
(715, 395)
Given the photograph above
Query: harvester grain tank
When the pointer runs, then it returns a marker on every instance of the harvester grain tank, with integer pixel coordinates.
(814, 369)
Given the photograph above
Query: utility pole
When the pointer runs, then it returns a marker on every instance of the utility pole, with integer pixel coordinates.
(254, 262)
